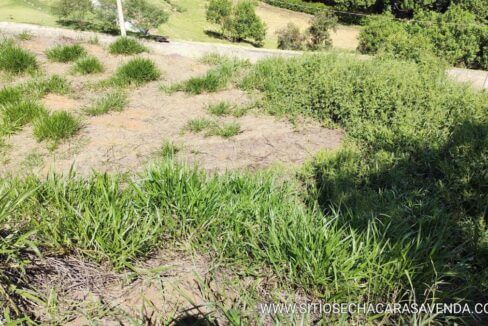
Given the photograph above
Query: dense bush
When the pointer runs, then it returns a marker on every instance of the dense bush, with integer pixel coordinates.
(237, 23)
(419, 140)
(14, 59)
(290, 38)
(454, 36)
(319, 30)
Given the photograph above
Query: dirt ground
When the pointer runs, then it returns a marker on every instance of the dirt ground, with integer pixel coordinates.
(128, 140)
(344, 37)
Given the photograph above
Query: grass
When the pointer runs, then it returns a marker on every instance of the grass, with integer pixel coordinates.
(212, 128)
(15, 60)
(224, 108)
(56, 126)
(88, 65)
(17, 114)
(169, 150)
(65, 53)
(137, 71)
(25, 36)
(214, 80)
(126, 46)
(114, 101)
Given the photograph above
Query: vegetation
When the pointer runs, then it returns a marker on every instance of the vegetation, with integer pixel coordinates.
(18, 113)
(198, 125)
(56, 126)
(88, 65)
(65, 53)
(454, 36)
(227, 130)
(290, 38)
(114, 101)
(14, 59)
(137, 71)
(225, 108)
(126, 46)
(237, 23)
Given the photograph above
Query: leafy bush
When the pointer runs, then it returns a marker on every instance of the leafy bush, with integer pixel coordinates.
(137, 71)
(88, 65)
(239, 22)
(127, 46)
(319, 30)
(65, 53)
(376, 31)
(290, 38)
(14, 59)
(111, 102)
(56, 126)
(144, 14)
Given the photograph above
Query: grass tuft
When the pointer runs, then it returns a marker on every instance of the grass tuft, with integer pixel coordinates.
(17, 114)
(168, 150)
(224, 108)
(14, 59)
(126, 46)
(25, 36)
(111, 102)
(226, 130)
(65, 53)
(198, 125)
(56, 126)
(136, 72)
(88, 65)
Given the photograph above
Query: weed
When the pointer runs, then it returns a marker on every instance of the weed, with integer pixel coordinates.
(65, 53)
(126, 46)
(220, 109)
(110, 102)
(198, 125)
(56, 126)
(15, 60)
(168, 150)
(88, 65)
(136, 72)
(25, 36)
(226, 130)
(17, 114)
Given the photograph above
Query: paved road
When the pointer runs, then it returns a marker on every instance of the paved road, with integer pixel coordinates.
(477, 78)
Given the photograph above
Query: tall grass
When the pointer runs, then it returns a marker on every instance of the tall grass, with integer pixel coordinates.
(126, 46)
(65, 53)
(14, 59)
(88, 65)
(56, 126)
(137, 71)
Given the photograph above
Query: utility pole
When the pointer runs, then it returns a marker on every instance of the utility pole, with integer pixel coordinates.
(120, 13)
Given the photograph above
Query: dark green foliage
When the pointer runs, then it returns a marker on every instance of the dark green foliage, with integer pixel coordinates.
(14, 59)
(290, 38)
(56, 126)
(137, 71)
(88, 65)
(65, 53)
(127, 46)
(319, 30)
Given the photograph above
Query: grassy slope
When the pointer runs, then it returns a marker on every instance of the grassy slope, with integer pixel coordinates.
(23, 11)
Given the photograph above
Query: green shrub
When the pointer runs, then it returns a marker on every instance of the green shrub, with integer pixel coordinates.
(14, 59)
(376, 31)
(137, 71)
(319, 30)
(111, 102)
(219, 12)
(88, 65)
(65, 53)
(290, 38)
(56, 126)
(126, 46)
(17, 114)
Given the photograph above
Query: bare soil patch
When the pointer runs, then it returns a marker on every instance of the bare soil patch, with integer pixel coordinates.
(128, 140)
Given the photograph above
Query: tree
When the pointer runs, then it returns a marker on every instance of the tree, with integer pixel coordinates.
(219, 12)
(319, 30)
(144, 15)
(246, 24)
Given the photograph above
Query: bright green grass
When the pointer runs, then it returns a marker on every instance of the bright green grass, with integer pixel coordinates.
(88, 65)
(16, 60)
(56, 126)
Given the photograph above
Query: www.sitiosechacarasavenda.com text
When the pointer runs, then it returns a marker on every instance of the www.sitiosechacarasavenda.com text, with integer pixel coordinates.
(372, 308)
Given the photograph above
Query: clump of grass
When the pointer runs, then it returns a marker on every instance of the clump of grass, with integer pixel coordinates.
(111, 102)
(198, 125)
(126, 46)
(33, 160)
(88, 65)
(226, 130)
(17, 114)
(168, 150)
(224, 108)
(9, 94)
(65, 53)
(15, 60)
(214, 80)
(40, 87)
(136, 72)
(25, 36)
(213, 59)
(56, 126)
